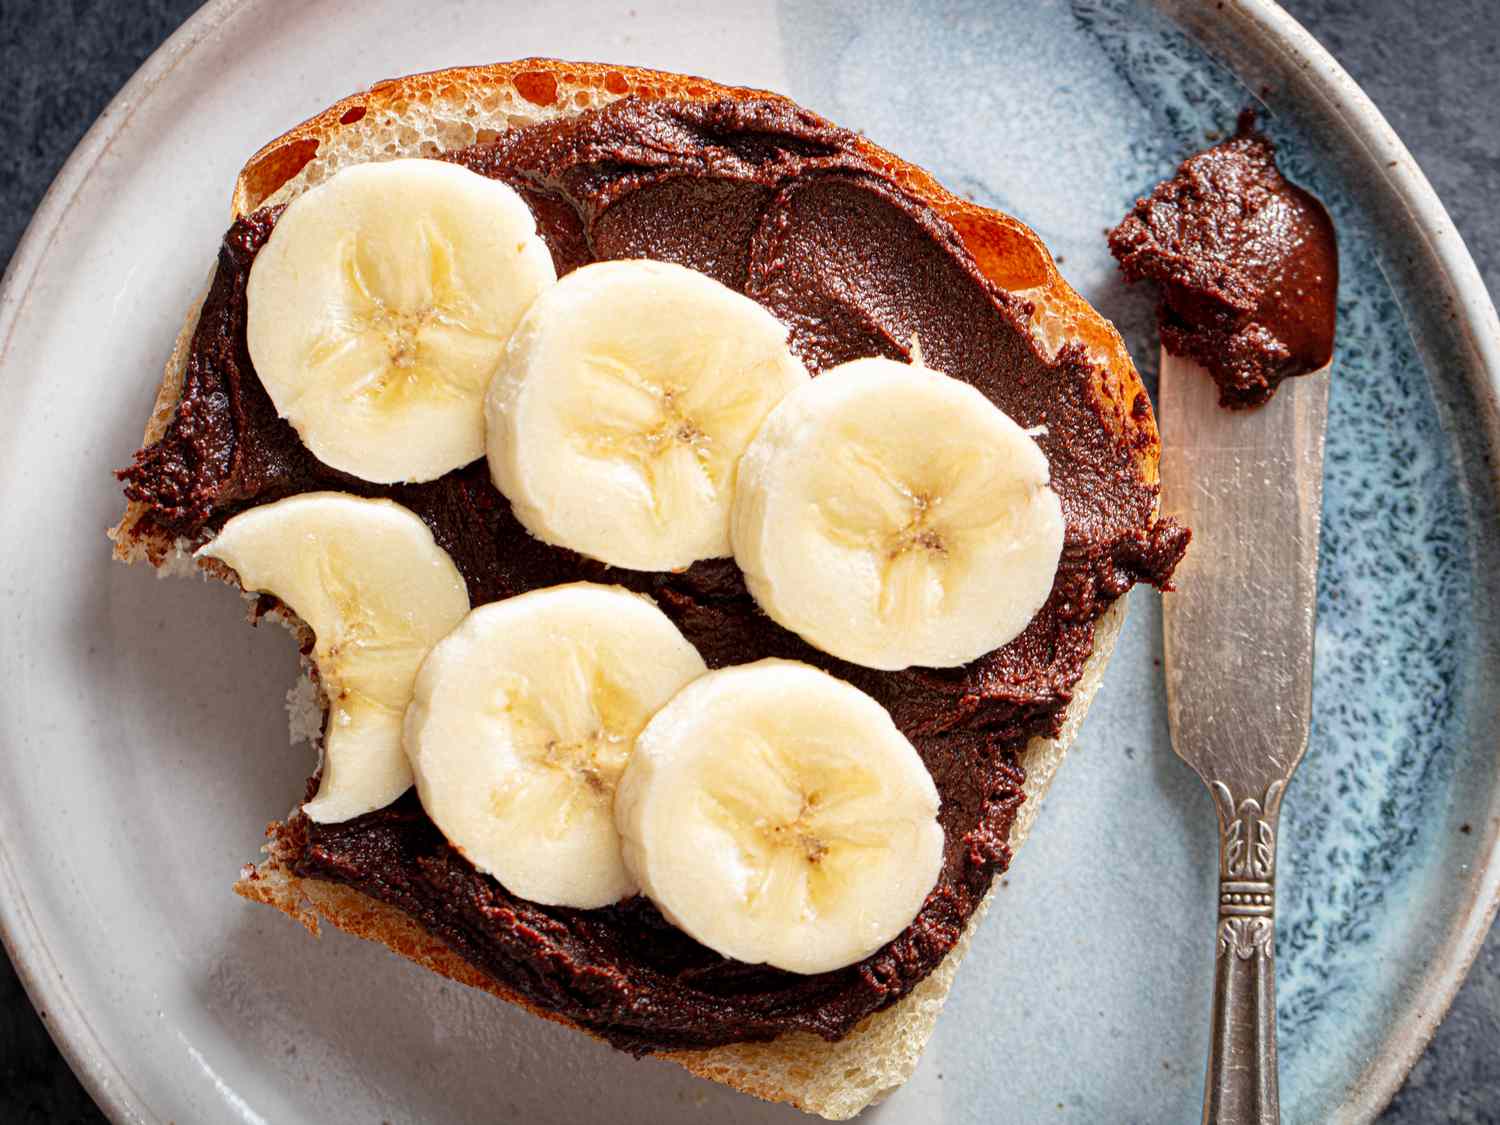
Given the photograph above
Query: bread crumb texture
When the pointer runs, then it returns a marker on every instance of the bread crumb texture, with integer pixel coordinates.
(431, 114)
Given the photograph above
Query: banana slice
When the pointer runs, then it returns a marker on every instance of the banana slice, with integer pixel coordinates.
(379, 307)
(523, 719)
(893, 516)
(777, 815)
(622, 404)
(377, 592)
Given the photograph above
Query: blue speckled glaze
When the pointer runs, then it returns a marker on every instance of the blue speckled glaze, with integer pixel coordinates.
(1394, 582)
(1061, 113)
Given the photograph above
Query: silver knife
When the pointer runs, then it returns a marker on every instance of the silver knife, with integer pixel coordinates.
(1238, 636)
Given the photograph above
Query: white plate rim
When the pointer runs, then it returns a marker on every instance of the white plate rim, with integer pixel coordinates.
(66, 1017)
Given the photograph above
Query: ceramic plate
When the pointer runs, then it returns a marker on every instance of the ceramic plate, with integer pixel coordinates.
(144, 744)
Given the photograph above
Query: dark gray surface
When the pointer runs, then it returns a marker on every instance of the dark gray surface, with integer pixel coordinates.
(1432, 66)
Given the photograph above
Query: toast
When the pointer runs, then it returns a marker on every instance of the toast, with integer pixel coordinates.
(425, 114)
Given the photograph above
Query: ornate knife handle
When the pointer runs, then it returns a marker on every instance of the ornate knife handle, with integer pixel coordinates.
(1241, 1086)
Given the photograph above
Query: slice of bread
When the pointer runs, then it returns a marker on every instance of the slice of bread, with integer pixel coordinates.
(428, 113)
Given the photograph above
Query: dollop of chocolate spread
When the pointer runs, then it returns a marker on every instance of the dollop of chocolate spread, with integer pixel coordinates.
(778, 204)
(1247, 263)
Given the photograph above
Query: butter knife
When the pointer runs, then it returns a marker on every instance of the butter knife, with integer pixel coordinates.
(1238, 636)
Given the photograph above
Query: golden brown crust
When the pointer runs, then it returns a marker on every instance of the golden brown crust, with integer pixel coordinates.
(313, 901)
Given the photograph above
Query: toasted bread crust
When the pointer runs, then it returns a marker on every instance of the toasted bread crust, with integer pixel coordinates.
(796, 1068)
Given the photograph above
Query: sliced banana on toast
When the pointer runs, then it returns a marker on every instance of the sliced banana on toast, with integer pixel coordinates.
(377, 591)
(893, 516)
(777, 815)
(522, 722)
(379, 308)
(622, 404)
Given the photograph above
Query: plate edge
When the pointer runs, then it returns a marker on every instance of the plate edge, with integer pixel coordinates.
(66, 1020)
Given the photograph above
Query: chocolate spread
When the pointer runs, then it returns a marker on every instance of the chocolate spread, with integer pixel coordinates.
(776, 203)
(1247, 264)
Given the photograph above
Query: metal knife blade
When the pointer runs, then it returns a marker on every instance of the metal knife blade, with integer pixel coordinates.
(1238, 635)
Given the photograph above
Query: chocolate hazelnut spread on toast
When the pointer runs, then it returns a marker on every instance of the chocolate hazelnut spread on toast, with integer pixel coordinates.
(776, 203)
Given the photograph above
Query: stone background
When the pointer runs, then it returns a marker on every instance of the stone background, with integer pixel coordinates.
(1432, 67)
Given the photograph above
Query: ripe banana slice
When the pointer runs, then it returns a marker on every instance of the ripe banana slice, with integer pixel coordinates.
(377, 592)
(777, 815)
(379, 307)
(523, 719)
(893, 516)
(624, 400)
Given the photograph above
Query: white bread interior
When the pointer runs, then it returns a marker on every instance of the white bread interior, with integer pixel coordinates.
(430, 113)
